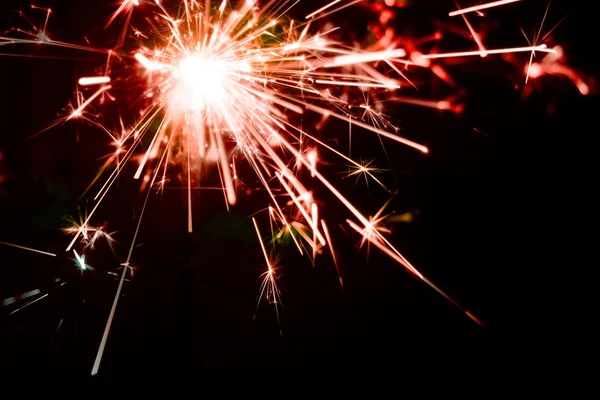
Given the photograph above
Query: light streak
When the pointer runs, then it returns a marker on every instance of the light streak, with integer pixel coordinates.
(269, 287)
(28, 249)
(359, 84)
(475, 36)
(126, 266)
(80, 260)
(325, 7)
(28, 304)
(364, 58)
(78, 111)
(542, 48)
(93, 80)
(23, 296)
(481, 7)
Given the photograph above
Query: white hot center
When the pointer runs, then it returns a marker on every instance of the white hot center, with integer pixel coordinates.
(203, 80)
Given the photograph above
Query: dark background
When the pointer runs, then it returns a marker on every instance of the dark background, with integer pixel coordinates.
(493, 222)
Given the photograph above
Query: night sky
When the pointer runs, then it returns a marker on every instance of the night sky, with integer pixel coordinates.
(492, 205)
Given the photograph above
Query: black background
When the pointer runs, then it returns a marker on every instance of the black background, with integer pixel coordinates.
(494, 223)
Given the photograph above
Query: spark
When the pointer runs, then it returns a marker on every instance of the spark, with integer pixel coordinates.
(365, 170)
(88, 234)
(78, 112)
(269, 288)
(80, 260)
(551, 64)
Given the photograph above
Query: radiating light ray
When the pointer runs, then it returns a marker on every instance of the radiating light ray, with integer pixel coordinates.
(35, 40)
(88, 234)
(368, 127)
(332, 251)
(335, 10)
(359, 84)
(481, 7)
(475, 36)
(80, 260)
(542, 48)
(59, 325)
(28, 249)
(126, 266)
(126, 6)
(79, 110)
(543, 67)
(28, 304)
(93, 80)
(364, 58)
(436, 104)
(385, 249)
(325, 7)
(365, 170)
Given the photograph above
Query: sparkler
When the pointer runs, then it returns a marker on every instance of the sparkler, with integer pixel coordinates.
(224, 86)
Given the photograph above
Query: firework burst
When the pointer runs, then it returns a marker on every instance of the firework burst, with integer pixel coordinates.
(223, 87)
